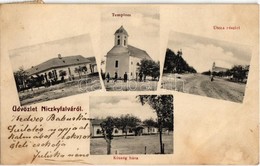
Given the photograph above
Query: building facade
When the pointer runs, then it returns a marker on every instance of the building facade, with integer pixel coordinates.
(67, 68)
(141, 129)
(217, 69)
(124, 58)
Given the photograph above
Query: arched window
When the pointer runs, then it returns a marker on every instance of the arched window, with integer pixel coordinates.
(116, 131)
(118, 41)
(124, 42)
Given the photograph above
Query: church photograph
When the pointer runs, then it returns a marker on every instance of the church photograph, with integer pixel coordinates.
(207, 67)
(130, 49)
(55, 69)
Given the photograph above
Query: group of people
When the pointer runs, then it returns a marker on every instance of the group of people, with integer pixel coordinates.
(140, 75)
(116, 77)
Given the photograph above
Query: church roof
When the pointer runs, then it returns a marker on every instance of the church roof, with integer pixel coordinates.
(129, 50)
(121, 30)
(57, 62)
(138, 53)
(218, 69)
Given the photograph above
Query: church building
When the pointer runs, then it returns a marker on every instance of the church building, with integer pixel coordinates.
(124, 58)
(217, 69)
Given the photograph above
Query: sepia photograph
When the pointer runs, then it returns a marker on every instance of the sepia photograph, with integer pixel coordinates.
(141, 124)
(55, 69)
(130, 48)
(206, 67)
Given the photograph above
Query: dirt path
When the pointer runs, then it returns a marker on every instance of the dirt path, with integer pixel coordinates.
(220, 89)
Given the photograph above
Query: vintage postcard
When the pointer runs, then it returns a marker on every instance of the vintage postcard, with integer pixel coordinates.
(129, 84)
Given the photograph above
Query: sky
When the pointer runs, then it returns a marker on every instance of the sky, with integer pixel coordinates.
(143, 28)
(103, 106)
(33, 55)
(201, 52)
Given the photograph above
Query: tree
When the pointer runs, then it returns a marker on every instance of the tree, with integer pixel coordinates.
(126, 122)
(239, 72)
(174, 63)
(79, 70)
(107, 127)
(208, 73)
(149, 68)
(163, 106)
(20, 77)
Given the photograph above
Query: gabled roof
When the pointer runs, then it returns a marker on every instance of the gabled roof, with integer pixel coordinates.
(136, 52)
(57, 62)
(129, 50)
(121, 30)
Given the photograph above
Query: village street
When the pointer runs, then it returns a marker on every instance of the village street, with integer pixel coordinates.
(199, 84)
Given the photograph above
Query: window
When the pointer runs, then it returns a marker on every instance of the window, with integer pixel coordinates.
(130, 130)
(50, 75)
(137, 63)
(118, 42)
(116, 131)
(131, 63)
(118, 36)
(124, 42)
(131, 73)
(116, 64)
(98, 131)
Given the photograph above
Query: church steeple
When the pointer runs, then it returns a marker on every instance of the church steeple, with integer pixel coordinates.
(121, 37)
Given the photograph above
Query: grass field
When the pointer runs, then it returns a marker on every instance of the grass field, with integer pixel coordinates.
(132, 145)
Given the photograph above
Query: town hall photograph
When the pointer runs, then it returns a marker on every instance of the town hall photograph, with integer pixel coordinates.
(207, 67)
(55, 69)
(142, 124)
(130, 48)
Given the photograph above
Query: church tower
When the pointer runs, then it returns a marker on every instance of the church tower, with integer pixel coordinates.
(121, 37)
(213, 66)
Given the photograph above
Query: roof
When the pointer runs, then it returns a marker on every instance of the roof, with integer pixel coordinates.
(129, 50)
(92, 59)
(58, 62)
(219, 69)
(96, 121)
(136, 52)
(121, 30)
